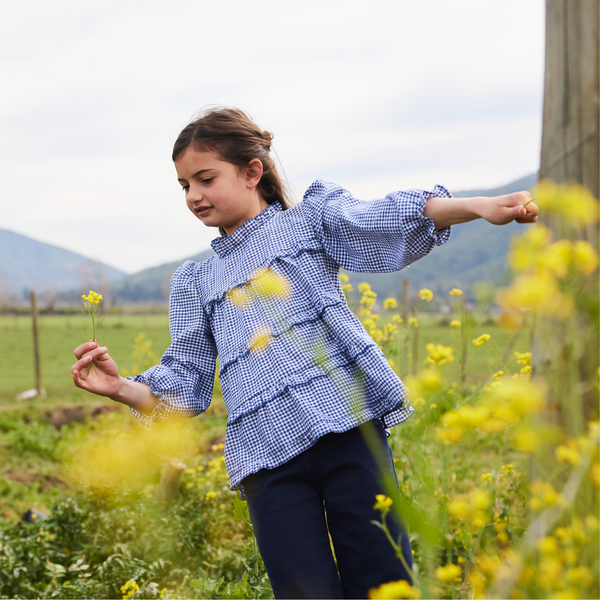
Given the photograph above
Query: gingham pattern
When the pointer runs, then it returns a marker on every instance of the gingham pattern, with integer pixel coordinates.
(321, 372)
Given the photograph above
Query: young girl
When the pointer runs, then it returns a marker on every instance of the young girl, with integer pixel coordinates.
(300, 376)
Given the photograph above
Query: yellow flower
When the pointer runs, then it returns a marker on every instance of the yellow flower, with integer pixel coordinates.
(364, 287)
(267, 282)
(210, 496)
(455, 292)
(547, 545)
(568, 454)
(413, 321)
(482, 339)
(390, 303)
(448, 573)
(394, 589)
(455, 323)
(425, 294)
(540, 292)
(239, 296)
(261, 339)
(498, 374)
(397, 319)
(344, 278)
(439, 355)
(523, 358)
(574, 203)
(383, 502)
(585, 257)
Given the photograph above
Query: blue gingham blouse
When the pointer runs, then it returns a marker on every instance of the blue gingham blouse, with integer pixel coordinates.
(320, 371)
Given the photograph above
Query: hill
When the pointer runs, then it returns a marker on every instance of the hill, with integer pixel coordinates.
(476, 252)
(27, 264)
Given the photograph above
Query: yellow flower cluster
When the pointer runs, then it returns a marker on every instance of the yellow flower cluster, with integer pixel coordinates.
(93, 298)
(390, 303)
(502, 407)
(393, 590)
(263, 283)
(572, 203)
(454, 323)
(346, 286)
(482, 339)
(471, 509)
(130, 589)
(439, 355)
(455, 292)
(425, 294)
(448, 573)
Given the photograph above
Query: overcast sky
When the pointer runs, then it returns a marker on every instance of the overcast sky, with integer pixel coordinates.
(376, 96)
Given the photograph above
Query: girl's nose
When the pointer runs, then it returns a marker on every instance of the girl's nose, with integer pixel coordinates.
(194, 194)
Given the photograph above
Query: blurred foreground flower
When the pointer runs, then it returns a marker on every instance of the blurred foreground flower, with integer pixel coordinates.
(482, 339)
(455, 292)
(425, 294)
(439, 355)
(394, 589)
(573, 203)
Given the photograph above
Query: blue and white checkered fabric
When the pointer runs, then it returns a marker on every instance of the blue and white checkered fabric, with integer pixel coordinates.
(320, 371)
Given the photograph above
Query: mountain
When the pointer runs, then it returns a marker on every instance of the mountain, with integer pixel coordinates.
(26, 264)
(151, 285)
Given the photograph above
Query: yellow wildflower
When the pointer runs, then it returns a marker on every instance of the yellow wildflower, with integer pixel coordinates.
(397, 319)
(439, 355)
(455, 292)
(93, 298)
(448, 573)
(269, 283)
(364, 287)
(454, 323)
(383, 503)
(394, 589)
(390, 303)
(547, 545)
(539, 292)
(239, 296)
(482, 339)
(585, 257)
(210, 496)
(413, 321)
(574, 203)
(129, 589)
(568, 454)
(523, 358)
(425, 294)
(498, 374)
(344, 278)
(260, 339)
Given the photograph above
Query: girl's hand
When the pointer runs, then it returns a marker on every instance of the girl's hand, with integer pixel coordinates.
(501, 210)
(103, 377)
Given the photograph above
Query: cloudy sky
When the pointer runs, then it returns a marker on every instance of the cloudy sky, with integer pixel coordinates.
(376, 96)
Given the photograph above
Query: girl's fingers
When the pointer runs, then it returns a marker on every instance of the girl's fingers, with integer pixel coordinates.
(81, 350)
(85, 360)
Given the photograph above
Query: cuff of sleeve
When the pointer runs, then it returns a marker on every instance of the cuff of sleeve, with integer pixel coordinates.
(440, 236)
(144, 420)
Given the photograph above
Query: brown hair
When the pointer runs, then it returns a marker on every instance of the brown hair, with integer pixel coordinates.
(236, 139)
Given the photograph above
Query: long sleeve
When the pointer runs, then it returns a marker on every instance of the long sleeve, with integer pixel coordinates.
(376, 236)
(183, 381)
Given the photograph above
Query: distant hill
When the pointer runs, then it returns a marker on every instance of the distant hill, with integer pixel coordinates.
(26, 264)
(151, 285)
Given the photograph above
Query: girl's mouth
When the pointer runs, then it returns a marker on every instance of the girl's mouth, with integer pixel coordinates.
(202, 211)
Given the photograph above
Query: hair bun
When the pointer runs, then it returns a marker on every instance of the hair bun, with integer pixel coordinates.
(268, 137)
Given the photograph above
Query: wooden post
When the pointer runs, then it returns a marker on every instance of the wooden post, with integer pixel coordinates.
(405, 307)
(570, 152)
(36, 344)
(169, 482)
(415, 345)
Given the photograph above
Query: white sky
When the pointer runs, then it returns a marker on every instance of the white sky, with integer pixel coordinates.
(376, 96)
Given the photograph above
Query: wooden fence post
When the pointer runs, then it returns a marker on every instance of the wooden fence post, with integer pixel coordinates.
(169, 482)
(36, 342)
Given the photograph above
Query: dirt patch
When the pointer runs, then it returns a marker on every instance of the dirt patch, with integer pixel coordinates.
(59, 417)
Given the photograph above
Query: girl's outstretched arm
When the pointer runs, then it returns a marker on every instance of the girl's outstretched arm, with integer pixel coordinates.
(103, 379)
(498, 210)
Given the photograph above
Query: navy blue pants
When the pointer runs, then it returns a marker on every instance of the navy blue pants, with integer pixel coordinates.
(327, 490)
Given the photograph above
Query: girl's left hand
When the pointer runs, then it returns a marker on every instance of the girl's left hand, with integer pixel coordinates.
(501, 210)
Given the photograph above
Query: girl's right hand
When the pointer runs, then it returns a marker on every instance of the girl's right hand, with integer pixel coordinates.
(103, 377)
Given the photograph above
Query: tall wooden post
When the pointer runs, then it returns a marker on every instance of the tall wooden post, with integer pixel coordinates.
(570, 152)
(36, 342)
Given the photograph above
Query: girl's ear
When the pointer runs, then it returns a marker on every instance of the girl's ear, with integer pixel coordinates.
(253, 172)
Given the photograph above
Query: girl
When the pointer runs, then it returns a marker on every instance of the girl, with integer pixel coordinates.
(299, 374)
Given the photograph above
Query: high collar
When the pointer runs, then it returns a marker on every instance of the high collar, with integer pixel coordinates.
(225, 244)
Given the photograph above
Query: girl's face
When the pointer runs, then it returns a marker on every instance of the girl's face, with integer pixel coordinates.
(217, 192)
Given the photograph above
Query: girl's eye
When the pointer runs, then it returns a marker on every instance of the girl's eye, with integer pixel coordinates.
(185, 188)
(207, 180)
